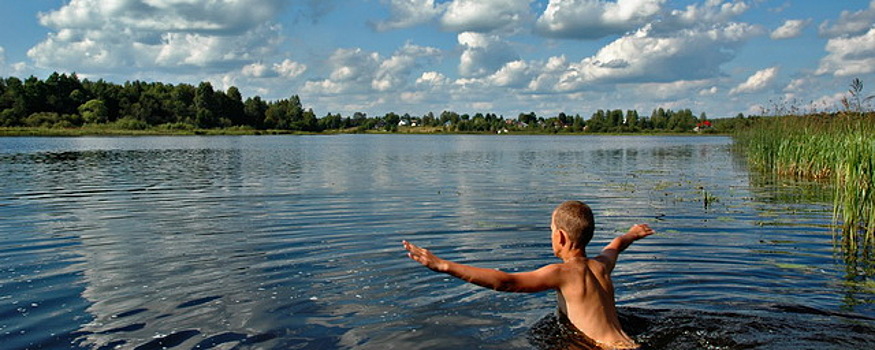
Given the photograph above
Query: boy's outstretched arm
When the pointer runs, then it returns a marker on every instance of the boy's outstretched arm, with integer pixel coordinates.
(541, 279)
(612, 251)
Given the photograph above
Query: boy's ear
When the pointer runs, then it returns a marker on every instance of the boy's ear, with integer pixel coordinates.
(563, 238)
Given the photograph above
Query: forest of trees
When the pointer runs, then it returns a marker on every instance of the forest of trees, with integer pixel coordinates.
(65, 101)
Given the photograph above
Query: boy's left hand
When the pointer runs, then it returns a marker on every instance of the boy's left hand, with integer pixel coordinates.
(640, 231)
(425, 257)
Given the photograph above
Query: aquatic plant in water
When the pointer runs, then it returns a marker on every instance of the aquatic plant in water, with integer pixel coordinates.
(708, 198)
(837, 147)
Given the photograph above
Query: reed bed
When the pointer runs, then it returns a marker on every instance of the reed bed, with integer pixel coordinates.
(839, 148)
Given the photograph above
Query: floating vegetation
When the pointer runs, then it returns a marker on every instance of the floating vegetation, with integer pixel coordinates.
(838, 148)
(708, 199)
(799, 267)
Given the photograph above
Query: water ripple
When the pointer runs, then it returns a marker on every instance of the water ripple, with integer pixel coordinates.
(294, 242)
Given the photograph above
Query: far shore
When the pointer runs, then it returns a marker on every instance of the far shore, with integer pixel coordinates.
(157, 131)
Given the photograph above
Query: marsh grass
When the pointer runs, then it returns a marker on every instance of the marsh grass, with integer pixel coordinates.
(839, 148)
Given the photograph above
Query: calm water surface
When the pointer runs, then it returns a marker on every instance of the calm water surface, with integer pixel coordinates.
(293, 242)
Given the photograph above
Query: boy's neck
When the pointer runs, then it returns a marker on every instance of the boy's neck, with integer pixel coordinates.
(572, 255)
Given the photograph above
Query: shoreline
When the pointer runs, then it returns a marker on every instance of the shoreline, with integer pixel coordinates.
(103, 131)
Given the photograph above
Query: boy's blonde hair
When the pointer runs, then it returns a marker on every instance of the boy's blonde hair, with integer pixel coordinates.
(576, 220)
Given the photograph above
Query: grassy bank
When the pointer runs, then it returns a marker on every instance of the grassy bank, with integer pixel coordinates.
(834, 147)
(174, 130)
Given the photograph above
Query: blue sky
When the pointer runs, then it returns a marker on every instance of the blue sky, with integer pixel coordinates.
(501, 56)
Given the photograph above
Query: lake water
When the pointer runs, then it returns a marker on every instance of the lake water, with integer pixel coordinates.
(294, 242)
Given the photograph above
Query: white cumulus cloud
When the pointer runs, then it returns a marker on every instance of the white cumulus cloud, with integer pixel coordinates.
(756, 82)
(849, 55)
(161, 16)
(796, 85)
(644, 56)
(483, 54)
(358, 71)
(592, 19)
(671, 90)
(850, 23)
(408, 13)
(289, 69)
(351, 70)
(513, 74)
(394, 71)
(549, 74)
(711, 11)
(286, 69)
(790, 29)
(105, 35)
(432, 78)
(709, 91)
(257, 70)
(485, 16)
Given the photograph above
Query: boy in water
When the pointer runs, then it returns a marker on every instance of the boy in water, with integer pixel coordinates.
(583, 286)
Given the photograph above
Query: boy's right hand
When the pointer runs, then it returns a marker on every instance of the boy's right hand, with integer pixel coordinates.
(640, 231)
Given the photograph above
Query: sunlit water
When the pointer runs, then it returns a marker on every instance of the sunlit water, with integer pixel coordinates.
(293, 242)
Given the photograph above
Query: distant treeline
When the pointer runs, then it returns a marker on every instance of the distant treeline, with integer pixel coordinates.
(65, 101)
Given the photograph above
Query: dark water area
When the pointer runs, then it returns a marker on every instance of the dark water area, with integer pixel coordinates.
(293, 242)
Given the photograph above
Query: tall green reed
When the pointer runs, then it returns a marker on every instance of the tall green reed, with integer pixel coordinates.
(838, 147)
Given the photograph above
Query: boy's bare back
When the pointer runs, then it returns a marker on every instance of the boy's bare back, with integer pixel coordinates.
(584, 288)
(586, 298)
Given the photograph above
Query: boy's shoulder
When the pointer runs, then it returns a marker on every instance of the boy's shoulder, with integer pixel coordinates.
(597, 264)
(576, 274)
